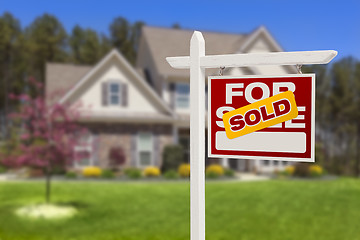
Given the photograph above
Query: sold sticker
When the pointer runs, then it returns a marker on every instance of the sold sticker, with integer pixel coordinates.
(261, 114)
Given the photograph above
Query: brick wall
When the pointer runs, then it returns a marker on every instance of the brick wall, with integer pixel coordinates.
(108, 135)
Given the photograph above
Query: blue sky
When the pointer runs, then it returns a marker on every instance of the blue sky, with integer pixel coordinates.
(296, 25)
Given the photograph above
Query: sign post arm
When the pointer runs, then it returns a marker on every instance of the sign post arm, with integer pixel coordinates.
(253, 59)
(197, 138)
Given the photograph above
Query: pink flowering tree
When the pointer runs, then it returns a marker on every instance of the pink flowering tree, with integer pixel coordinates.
(47, 136)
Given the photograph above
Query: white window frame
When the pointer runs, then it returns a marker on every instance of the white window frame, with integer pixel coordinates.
(82, 148)
(110, 93)
(138, 151)
(181, 95)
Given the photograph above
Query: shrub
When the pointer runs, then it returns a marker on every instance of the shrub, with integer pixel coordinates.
(107, 173)
(70, 174)
(116, 157)
(173, 156)
(58, 170)
(92, 171)
(316, 170)
(171, 174)
(152, 172)
(214, 171)
(36, 172)
(289, 170)
(133, 173)
(302, 170)
(211, 175)
(2, 169)
(229, 172)
(184, 170)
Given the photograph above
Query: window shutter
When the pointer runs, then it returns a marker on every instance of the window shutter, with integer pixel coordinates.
(157, 154)
(133, 158)
(104, 93)
(95, 150)
(172, 95)
(124, 94)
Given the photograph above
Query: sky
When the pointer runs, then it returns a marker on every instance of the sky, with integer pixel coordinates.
(296, 25)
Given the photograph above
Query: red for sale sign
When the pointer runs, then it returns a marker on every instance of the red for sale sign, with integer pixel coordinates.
(292, 140)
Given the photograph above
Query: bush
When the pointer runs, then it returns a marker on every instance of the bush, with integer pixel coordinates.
(133, 173)
(70, 174)
(36, 172)
(184, 170)
(302, 170)
(214, 171)
(171, 174)
(2, 169)
(289, 170)
(116, 157)
(152, 172)
(107, 173)
(316, 170)
(173, 156)
(91, 171)
(58, 170)
(229, 172)
(211, 175)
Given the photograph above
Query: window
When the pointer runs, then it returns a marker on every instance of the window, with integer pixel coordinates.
(83, 152)
(182, 99)
(145, 147)
(82, 156)
(114, 93)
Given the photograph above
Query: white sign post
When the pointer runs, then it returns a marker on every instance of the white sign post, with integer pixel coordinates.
(197, 62)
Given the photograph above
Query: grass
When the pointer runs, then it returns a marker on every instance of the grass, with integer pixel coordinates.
(153, 211)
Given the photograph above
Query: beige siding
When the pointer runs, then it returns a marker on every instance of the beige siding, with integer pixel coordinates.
(138, 100)
(262, 46)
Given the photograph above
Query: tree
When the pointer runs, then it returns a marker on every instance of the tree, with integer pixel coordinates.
(176, 26)
(12, 64)
(47, 137)
(357, 116)
(46, 42)
(125, 37)
(343, 111)
(86, 46)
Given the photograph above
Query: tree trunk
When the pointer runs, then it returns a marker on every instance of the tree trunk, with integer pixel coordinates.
(357, 161)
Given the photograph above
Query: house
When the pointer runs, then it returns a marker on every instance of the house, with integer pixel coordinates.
(146, 107)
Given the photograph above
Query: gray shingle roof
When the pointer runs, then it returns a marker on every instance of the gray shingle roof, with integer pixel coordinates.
(166, 42)
(61, 77)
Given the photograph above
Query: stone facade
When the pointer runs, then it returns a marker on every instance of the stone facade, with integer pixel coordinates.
(108, 135)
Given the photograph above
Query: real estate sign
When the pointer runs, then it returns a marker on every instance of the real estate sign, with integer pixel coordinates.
(262, 117)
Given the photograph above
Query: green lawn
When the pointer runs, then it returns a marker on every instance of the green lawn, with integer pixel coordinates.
(254, 210)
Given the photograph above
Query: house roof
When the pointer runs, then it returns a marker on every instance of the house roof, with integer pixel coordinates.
(62, 77)
(166, 42)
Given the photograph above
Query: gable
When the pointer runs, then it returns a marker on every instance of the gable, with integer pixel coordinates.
(138, 99)
(88, 92)
(259, 42)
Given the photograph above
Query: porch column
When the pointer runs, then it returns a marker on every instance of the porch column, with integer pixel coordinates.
(225, 162)
(175, 133)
